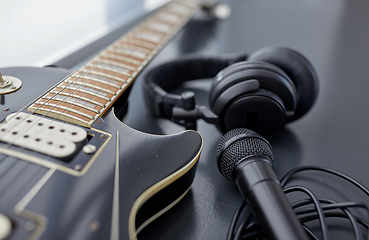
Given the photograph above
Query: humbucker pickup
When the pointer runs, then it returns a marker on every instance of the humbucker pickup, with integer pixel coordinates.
(40, 134)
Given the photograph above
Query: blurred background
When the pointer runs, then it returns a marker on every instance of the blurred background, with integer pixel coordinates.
(42, 32)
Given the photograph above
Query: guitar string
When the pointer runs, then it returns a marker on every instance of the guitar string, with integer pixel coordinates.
(120, 41)
(117, 42)
(65, 122)
(142, 25)
(53, 98)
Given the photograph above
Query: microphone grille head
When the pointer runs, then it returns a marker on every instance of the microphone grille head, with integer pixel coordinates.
(237, 145)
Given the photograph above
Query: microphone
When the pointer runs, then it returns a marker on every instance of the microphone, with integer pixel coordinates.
(245, 158)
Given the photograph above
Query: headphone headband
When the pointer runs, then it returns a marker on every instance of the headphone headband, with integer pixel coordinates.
(164, 78)
(262, 93)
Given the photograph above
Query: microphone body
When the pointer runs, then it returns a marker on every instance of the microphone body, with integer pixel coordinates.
(245, 159)
(260, 187)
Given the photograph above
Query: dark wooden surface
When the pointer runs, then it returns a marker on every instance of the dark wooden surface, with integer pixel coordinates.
(334, 36)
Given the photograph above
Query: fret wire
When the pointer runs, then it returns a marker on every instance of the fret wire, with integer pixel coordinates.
(75, 103)
(127, 56)
(64, 114)
(51, 110)
(101, 74)
(67, 109)
(132, 45)
(139, 42)
(137, 30)
(177, 9)
(144, 50)
(158, 45)
(148, 36)
(159, 26)
(152, 31)
(68, 95)
(190, 4)
(132, 35)
(97, 80)
(130, 53)
(83, 92)
(58, 113)
(90, 93)
(58, 92)
(181, 5)
(91, 89)
(120, 58)
(83, 98)
(134, 38)
(169, 17)
(146, 29)
(91, 86)
(108, 69)
(118, 64)
(162, 21)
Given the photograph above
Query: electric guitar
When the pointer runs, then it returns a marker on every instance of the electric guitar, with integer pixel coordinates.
(69, 169)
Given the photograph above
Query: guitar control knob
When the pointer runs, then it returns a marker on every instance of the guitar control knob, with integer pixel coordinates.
(5, 226)
(221, 11)
(9, 84)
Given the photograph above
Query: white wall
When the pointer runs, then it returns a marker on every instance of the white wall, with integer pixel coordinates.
(40, 32)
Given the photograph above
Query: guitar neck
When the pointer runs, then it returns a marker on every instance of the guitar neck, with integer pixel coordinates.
(87, 93)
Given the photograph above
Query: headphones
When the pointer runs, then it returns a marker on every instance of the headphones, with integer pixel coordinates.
(274, 86)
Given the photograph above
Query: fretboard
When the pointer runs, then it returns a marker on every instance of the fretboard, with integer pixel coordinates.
(86, 94)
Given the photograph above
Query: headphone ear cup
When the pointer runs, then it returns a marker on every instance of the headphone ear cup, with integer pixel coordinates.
(300, 71)
(261, 111)
(270, 78)
(274, 97)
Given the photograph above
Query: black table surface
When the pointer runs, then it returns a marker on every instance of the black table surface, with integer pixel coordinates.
(334, 36)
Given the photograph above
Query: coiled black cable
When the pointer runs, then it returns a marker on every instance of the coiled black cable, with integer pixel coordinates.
(307, 210)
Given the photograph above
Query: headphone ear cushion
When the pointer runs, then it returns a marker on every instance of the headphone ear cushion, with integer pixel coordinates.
(300, 71)
(261, 111)
(255, 95)
(270, 78)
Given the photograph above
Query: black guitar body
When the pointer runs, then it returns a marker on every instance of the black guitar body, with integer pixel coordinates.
(112, 193)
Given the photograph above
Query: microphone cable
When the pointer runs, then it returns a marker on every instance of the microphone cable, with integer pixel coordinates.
(309, 209)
